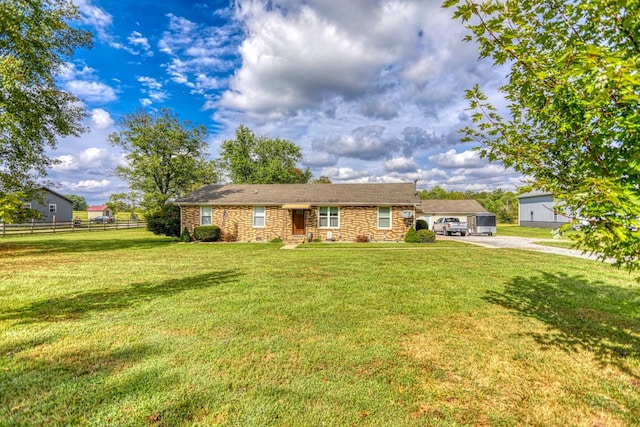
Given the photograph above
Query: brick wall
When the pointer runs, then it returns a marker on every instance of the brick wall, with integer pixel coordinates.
(354, 222)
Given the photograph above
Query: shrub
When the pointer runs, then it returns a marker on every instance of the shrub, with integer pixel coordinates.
(362, 238)
(421, 224)
(426, 236)
(207, 233)
(185, 236)
(412, 236)
(165, 221)
(276, 240)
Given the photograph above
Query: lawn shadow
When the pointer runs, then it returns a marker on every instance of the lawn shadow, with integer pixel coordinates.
(76, 383)
(76, 305)
(580, 315)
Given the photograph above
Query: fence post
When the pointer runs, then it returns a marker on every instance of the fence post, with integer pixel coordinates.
(32, 224)
(53, 224)
(4, 228)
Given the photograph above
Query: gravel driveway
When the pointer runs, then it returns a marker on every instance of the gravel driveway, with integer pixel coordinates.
(511, 242)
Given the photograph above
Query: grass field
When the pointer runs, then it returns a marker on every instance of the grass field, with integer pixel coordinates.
(127, 328)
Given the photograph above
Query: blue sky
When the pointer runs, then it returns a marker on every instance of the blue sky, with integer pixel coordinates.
(371, 90)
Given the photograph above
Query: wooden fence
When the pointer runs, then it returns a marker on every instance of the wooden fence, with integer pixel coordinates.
(67, 226)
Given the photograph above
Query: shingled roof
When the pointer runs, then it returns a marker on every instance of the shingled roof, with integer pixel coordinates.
(312, 194)
(437, 206)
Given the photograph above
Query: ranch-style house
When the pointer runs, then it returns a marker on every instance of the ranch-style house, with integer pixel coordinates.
(299, 212)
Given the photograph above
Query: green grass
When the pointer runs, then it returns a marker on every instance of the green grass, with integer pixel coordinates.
(127, 328)
(518, 231)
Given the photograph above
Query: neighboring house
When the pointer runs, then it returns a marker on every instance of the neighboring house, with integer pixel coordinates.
(293, 212)
(53, 207)
(431, 210)
(94, 211)
(539, 209)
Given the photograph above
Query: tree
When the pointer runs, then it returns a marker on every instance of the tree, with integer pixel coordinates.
(35, 41)
(251, 159)
(573, 121)
(165, 157)
(321, 180)
(124, 202)
(440, 193)
(79, 202)
(165, 220)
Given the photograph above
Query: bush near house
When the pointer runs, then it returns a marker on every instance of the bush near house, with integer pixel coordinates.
(207, 233)
(412, 236)
(165, 221)
(185, 236)
(426, 236)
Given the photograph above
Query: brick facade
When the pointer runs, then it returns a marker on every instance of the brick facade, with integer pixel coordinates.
(354, 221)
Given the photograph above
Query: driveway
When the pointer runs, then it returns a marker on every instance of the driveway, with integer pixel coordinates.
(511, 242)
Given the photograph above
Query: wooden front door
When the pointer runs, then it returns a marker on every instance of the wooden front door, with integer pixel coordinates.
(298, 222)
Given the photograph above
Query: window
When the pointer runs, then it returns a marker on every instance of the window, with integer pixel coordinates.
(205, 215)
(52, 208)
(27, 205)
(384, 217)
(258, 216)
(329, 217)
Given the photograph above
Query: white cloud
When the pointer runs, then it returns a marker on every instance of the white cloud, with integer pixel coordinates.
(153, 89)
(198, 52)
(94, 16)
(136, 39)
(366, 142)
(343, 174)
(72, 71)
(91, 91)
(149, 82)
(100, 119)
(297, 60)
(87, 160)
(401, 164)
(452, 159)
(81, 80)
(87, 185)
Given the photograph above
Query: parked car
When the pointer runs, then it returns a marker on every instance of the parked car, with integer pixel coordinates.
(102, 219)
(448, 226)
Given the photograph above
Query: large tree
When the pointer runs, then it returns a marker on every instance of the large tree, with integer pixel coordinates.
(573, 119)
(35, 41)
(165, 157)
(251, 159)
(79, 202)
(124, 202)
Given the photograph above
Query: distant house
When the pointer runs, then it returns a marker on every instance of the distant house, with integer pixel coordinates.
(431, 210)
(293, 212)
(539, 209)
(94, 211)
(52, 206)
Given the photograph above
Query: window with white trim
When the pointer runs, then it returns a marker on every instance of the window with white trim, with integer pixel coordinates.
(27, 205)
(384, 217)
(329, 217)
(205, 215)
(258, 216)
(53, 208)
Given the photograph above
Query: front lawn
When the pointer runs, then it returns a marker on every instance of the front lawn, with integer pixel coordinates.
(127, 328)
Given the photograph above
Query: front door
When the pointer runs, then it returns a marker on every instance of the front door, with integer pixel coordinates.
(298, 222)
